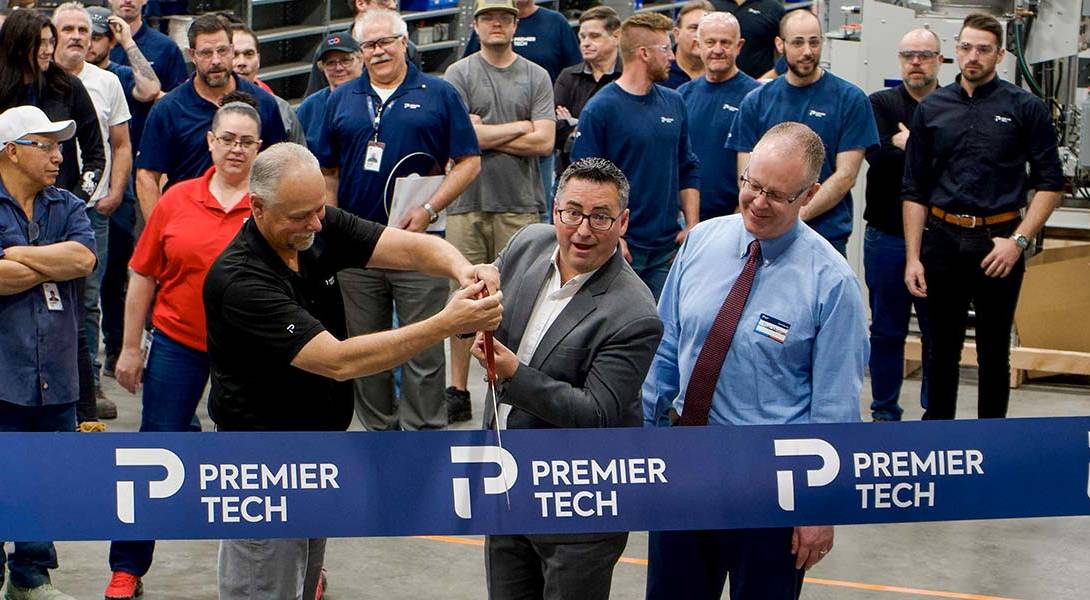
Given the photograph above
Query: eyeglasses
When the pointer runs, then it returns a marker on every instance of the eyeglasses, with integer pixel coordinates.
(384, 43)
(231, 141)
(920, 54)
(798, 43)
(343, 63)
(46, 147)
(663, 48)
(776, 197)
(981, 49)
(221, 51)
(502, 18)
(574, 218)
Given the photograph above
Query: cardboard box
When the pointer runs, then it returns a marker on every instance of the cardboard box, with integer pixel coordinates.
(1054, 306)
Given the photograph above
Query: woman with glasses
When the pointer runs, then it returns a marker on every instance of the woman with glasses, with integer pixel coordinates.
(190, 226)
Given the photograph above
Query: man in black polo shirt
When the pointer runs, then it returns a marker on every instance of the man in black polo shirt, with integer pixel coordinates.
(760, 22)
(884, 242)
(276, 334)
(966, 180)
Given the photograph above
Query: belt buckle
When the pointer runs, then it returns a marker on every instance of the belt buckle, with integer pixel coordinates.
(970, 218)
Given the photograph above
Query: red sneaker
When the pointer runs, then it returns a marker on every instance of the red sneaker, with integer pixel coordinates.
(124, 586)
(318, 593)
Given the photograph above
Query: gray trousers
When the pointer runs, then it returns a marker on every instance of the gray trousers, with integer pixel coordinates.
(270, 569)
(535, 567)
(370, 297)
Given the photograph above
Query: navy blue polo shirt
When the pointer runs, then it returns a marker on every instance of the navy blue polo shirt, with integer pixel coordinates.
(713, 106)
(164, 55)
(839, 112)
(174, 141)
(139, 110)
(38, 346)
(311, 114)
(675, 77)
(425, 114)
(544, 38)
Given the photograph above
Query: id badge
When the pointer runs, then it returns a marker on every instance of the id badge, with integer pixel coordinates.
(373, 160)
(52, 297)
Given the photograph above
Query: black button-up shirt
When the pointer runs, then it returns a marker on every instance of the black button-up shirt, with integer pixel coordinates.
(759, 21)
(572, 90)
(260, 314)
(886, 162)
(968, 155)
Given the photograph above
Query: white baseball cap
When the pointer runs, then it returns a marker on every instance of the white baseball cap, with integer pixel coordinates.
(18, 122)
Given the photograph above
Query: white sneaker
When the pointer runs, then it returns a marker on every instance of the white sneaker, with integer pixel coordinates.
(42, 592)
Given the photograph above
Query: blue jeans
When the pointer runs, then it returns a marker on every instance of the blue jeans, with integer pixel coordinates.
(891, 306)
(100, 223)
(174, 381)
(547, 164)
(653, 265)
(30, 562)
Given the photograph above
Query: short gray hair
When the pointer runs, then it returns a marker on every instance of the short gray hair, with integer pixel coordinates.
(382, 14)
(76, 6)
(723, 18)
(596, 170)
(271, 165)
(807, 143)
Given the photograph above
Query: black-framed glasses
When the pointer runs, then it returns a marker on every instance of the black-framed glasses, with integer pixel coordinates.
(771, 196)
(246, 143)
(981, 49)
(574, 218)
(46, 147)
(383, 42)
(920, 54)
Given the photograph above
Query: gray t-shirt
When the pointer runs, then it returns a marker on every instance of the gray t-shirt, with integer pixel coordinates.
(521, 91)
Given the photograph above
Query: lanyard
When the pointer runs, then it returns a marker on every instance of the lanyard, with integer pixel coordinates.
(376, 112)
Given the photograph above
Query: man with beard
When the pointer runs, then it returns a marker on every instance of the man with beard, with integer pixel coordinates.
(175, 146)
(247, 64)
(884, 243)
(713, 100)
(542, 35)
(510, 102)
(73, 24)
(837, 110)
(652, 150)
(163, 55)
(687, 65)
(404, 113)
(966, 181)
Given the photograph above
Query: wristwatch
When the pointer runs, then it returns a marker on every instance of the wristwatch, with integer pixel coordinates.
(434, 216)
(1021, 240)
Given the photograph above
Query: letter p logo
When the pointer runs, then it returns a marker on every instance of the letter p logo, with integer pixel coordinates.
(159, 488)
(499, 484)
(785, 480)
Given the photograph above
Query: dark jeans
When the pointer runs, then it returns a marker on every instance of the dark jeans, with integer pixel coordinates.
(695, 564)
(891, 308)
(951, 257)
(115, 279)
(551, 567)
(653, 266)
(86, 405)
(174, 381)
(30, 562)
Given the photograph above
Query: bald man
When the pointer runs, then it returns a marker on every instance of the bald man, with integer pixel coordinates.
(884, 242)
(713, 100)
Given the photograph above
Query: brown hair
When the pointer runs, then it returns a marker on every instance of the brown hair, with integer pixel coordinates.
(638, 24)
(607, 15)
(984, 22)
(690, 6)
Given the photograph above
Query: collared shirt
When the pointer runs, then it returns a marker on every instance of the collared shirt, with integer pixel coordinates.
(176, 144)
(187, 230)
(38, 346)
(139, 110)
(804, 294)
(311, 114)
(260, 314)
(759, 21)
(968, 154)
(892, 107)
(836, 110)
(573, 89)
(676, 76)
(551, 301)
(423, 118)
(162, 53)
(545, 38)
(714, 106)
(653, 151)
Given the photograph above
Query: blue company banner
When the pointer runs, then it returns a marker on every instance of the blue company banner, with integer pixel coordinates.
(255, 485)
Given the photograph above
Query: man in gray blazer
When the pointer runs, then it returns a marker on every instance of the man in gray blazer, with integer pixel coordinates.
(578, 336)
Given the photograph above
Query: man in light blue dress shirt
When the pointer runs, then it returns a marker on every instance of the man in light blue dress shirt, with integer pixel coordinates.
(797, 356)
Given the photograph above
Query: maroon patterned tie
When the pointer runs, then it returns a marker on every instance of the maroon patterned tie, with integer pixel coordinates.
(698, 396)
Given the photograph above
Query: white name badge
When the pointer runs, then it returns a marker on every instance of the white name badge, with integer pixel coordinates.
(52, 296)
(373, 160)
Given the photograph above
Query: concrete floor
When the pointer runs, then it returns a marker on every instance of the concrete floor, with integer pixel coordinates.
(1034, 558)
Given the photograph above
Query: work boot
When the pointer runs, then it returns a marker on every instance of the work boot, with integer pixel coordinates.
(459, 407)
(46, 591)
(124, 586)
(104, 407)
(91, 427)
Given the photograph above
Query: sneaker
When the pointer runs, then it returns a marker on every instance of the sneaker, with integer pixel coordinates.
(105, 408)
(459, 407)
(91, 427)
(110, 365)
(46, 591)
(322, 584)
(124, 586)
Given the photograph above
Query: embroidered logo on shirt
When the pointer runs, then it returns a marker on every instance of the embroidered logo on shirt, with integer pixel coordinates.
(730, 108)
(291, 328)
(1002, 119)
(411, 105)
(523, 40)
(667, 119)
(815, 113)
(772, 328)
(754, 11)
(329, 282)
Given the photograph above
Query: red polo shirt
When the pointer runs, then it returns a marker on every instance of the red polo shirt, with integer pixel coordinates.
(187, 231)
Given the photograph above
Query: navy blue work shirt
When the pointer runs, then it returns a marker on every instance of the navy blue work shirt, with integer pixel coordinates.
(175, 130)
(425, 114)
(968, 155)
(38, 346)
(311, 115)
(139, 110)
(164, 55)
(545, 38)
(676, 77)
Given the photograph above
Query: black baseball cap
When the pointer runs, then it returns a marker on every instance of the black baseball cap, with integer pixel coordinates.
(338, 42)
(99, 23)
